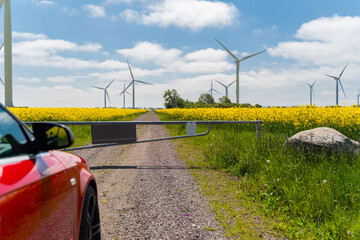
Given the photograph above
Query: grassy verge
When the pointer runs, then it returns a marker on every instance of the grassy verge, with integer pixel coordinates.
(240, 217)
(310, 196)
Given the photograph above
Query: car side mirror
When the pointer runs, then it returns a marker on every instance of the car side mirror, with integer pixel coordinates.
(49, 136)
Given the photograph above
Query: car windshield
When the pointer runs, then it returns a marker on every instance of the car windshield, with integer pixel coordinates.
(12, 139)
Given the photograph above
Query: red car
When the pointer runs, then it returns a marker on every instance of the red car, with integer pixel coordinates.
(44, 193)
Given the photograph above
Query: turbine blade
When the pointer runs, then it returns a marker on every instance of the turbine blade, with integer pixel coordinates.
(343, 70)
(313, 83)
(123, 92)
(220, 83)
(309, 85)
(216, 91)
(231, 83)
(342, 88)
(128, 86)
(252, 55)
(331, 76)
(2, 45)
(2, 82)
(132, 76)
(143, 82)
(231, 54)
(1, 3)
(107, 95)
(98, 87)
(110, 83)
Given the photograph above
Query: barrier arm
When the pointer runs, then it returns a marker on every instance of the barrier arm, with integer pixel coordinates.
(113, 133)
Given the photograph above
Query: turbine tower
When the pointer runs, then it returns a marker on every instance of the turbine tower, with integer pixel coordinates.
(337, 79)
(2, 82)
(237, 61)
(133, 84)
(311, 91)
(212, 89)
(358, 96)
(105, 92)
(226, 87)
(123, 93)
(7, 53)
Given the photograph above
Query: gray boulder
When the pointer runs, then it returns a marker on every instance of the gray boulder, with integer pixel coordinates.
(322, 139)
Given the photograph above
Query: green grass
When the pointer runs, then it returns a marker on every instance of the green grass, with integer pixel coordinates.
(310, 196)
(82, 135)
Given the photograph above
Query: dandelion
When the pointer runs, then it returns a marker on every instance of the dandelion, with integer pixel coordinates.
(267, 161)
(324, 182)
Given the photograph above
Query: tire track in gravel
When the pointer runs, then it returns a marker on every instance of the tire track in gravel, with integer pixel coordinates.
(146, 191)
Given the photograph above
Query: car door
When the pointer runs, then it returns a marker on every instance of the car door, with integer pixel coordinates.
(35, 196)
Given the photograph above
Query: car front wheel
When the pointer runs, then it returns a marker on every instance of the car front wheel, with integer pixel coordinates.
(90, 218)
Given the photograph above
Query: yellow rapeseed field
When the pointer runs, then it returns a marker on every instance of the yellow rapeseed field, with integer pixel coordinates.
(346, 119)
(73, 114)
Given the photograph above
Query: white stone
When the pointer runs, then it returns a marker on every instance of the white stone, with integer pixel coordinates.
(322, 138)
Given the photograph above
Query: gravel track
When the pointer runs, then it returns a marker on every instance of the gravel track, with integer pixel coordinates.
(146, 191)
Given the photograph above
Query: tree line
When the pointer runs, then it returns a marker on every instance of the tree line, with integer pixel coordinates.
(173, 100)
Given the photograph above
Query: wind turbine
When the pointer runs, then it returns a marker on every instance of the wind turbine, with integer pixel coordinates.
(7, 52)
(237, 61)
(133, 84)
(226, 87)
(357, 96)
(105, 92)
(311, 91)
(123, 93)
(212, 89)
(337, 79)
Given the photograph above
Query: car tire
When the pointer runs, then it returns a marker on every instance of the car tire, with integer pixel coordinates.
(90, 218)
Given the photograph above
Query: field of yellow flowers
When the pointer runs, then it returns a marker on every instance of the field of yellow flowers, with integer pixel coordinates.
(344, 119)
(73, 114)
(312, 195)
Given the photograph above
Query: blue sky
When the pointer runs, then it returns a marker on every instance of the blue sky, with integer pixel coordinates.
(62, 48)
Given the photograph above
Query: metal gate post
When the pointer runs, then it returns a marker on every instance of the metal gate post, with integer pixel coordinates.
(258, 129)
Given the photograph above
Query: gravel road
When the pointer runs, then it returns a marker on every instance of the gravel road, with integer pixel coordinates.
(146, 191)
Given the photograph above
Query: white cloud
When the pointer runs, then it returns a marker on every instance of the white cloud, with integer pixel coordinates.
(37, 50)
(147, 51)
(94, 11)
(192, 14)
(324, 41)
(118, 1)
(273, 28)
(45, 3)
(208, 54)
(70, 11)
(57, 96)
(60, 79)
(28, 36)
(174, 61)
(46, 47)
